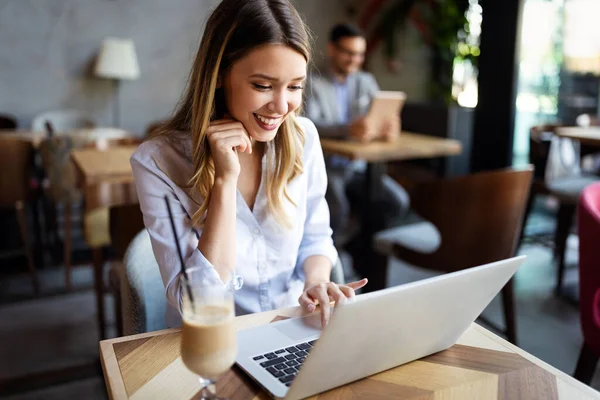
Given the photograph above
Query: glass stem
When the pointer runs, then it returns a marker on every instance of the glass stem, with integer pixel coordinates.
(209, 389)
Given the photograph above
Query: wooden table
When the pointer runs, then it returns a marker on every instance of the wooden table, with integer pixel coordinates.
(97, 166)
(409, 146)
(480, 366)
(94, 168)
(589, 136)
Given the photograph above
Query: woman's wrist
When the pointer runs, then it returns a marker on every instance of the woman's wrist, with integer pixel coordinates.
(226, 180)
(317, 269)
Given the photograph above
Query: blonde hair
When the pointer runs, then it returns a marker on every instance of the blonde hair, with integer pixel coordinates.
(234, 29)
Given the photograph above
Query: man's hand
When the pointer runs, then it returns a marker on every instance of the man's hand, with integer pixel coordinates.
(362, 129)
(391, 129)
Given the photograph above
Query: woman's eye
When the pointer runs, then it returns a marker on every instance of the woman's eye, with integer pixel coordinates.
(297, 87)
(261, 87)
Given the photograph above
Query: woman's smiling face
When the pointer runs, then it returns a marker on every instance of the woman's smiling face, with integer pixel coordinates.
(264, 87)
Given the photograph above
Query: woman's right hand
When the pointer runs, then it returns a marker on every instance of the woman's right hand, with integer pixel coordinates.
(226, 137)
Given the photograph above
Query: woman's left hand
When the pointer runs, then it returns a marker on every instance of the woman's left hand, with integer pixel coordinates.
(325, 292)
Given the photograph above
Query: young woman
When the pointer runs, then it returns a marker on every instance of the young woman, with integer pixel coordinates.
(244, 173)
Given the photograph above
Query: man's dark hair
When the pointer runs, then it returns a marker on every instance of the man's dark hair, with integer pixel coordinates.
(341, 31)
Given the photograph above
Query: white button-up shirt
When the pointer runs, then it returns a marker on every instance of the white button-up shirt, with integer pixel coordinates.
(269, 257)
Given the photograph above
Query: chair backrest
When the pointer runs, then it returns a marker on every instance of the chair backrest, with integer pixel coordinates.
(589, 265)
(125, 222)
(16, 170)
(478, 216)
(540, 137)
(62, 120)
(55, 153)
(7, 122)
(143, 300)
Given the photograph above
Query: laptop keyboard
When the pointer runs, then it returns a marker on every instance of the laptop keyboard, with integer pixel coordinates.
(284, 363)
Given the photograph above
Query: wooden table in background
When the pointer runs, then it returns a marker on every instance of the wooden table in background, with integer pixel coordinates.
(480, 366)
(589, 136)
(95, 168)
(410, 146)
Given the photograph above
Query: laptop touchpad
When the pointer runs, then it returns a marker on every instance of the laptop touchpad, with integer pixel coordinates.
(300, 328)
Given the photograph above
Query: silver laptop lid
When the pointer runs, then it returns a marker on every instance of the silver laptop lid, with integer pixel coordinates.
(397, 325)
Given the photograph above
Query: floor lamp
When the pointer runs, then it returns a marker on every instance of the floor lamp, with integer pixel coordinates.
(117, 61)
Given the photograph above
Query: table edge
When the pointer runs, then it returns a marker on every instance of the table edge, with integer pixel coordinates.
(457, 149)
(563, 131)
(566, 378)
(115, 386)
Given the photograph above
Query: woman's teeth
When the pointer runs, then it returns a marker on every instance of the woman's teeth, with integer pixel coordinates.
(267, 121)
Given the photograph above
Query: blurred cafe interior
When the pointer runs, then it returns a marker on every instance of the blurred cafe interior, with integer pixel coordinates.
(494, 153)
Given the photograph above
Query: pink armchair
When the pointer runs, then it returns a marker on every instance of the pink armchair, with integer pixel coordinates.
(589, 281)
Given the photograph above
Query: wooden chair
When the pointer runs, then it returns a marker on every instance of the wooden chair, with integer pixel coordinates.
(125, 222)
(16, 192)
(473, 220)
(60, 187)
(566, 190)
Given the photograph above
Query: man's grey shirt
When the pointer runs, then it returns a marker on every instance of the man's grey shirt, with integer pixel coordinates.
(322, 102)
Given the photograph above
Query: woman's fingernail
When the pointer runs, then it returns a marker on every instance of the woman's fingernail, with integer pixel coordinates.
(311, 307)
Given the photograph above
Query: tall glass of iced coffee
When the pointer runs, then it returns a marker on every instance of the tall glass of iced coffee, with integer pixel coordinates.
(208, 338)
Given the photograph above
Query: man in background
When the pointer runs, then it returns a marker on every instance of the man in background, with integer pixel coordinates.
(337, 102)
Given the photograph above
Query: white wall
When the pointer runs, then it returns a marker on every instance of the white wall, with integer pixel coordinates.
(413, 75)
(47, 48)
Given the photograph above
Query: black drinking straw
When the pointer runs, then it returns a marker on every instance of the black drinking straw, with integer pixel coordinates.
(183, 271)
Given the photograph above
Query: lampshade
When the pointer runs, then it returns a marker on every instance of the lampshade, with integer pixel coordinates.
(117, 60)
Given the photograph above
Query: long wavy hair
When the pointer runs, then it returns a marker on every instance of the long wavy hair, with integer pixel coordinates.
(235, 28)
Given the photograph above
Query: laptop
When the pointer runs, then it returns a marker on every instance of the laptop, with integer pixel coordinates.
(295, 359)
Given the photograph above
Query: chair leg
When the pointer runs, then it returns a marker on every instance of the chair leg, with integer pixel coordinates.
(118, 311)
(67, 241)
(564, 221)
(39, 241)
(50, 225)
(586, 365)
(114, 279)
(98, 264)
(530, 201)
(508, 302)
(22, 221)
(119, 314)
